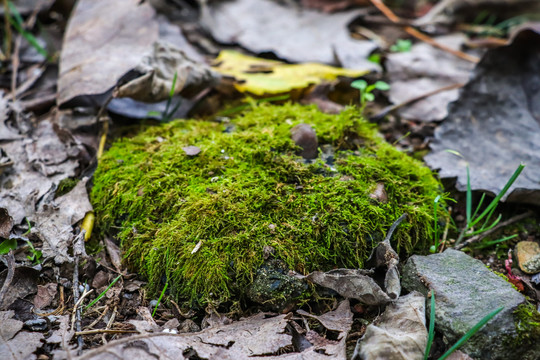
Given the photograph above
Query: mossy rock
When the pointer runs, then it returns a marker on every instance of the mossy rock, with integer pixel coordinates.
(247, 191)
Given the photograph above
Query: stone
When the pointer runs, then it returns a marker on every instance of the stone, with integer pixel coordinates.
(274, 288)
(528, 256)
(305, 137)
(465, 292)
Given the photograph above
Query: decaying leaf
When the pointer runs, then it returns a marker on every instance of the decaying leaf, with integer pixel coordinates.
(24, 283)
(351, 284)
(261, 76)
(338, 320)
(45, 295)
(14, 343)
(55, 220)
(157, 72)
(425, 69)
(399, 333)
(494, 129)
(6, 223)
(103, 41)
(293, 34)
(252, 337)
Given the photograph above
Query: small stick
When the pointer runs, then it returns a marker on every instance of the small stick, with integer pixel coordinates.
(387, 110)
(394, 226)
(421, 36)
(99, 318)
(105, 331)
(76, 309)
(481, 236)
(9, 278)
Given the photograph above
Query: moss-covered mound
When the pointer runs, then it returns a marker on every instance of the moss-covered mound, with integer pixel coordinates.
(247, 192)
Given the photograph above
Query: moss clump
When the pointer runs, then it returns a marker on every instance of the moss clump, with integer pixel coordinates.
(527, 320)
(248, 191)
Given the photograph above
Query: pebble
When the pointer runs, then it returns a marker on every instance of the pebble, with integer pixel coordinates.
(304, 136)
(528, 256)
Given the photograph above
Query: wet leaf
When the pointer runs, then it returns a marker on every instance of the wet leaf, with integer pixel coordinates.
(496, 130)
(293, 34)
(261, 76)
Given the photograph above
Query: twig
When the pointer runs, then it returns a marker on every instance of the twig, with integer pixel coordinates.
(109, 324)
(7, 28)
(10, 262)
(105, 331)
(481, 236)
(387, 110)
(394, 226)
(94, 323)
(420, 36)
(77, 310)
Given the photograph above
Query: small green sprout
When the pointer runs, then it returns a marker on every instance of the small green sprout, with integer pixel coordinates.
(103, 292)
(366, 91)
(401, 45)
(474, 218)
(167, 114)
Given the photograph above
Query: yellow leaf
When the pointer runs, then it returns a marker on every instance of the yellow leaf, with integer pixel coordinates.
(264, 77)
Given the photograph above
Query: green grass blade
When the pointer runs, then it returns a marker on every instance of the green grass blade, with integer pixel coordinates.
(469, 198)
(471, 332)
(17, 22)
(495, 201)
(479, 205)
(486, 228)
(103, 293)
(436, 222)
(160, 297)
(431, 332)
(493, 242)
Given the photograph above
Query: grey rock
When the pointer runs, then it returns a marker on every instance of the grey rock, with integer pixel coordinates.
(274, 287)
(466, 291)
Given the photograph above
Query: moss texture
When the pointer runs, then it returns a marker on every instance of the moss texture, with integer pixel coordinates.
(527, 320)
(247, 191)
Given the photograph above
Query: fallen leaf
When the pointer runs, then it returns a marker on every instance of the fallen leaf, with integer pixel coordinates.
(495, 130)
(252, 337)
(16, 344)
(54, 222)
(425, 69)
(351, 284)
(45, 295)
(261, 76)
(103, 41)
(399, 333)
(293, 34)
(6, 223)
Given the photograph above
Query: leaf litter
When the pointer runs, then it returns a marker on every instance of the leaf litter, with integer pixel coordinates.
(35, 156)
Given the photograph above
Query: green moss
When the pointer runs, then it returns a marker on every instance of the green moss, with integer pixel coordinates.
(65, 186)
(527, 320)
(247, 191)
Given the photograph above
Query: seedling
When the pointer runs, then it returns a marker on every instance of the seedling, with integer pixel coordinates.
(17, 22)
(103, 292)
(431, 331)
(366, 91)
(435, 245)
(471, 332)
(474, 218)
(160, 297)
(167, 114)
(11, 244)
(463, 339)
(401, 45)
